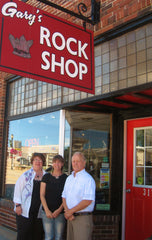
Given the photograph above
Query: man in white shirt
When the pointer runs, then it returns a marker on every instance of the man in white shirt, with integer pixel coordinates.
(78, 200)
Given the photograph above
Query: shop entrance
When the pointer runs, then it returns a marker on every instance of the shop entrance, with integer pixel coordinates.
(138, 220)
(90, 133)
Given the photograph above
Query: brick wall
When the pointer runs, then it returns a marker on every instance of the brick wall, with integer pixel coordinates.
(7, 215)
(2, 115)
(112, 12)
(105, 227)
(116, 12)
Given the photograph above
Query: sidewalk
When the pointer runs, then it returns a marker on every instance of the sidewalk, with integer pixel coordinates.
(7, 234)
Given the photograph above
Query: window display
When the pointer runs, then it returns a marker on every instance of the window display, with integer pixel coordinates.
(26, 136)
(90, 134)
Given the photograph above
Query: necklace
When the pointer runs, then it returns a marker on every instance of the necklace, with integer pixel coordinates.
(38, 176)
(56, 175)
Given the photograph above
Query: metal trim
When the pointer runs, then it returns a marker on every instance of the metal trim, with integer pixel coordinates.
(95, 11)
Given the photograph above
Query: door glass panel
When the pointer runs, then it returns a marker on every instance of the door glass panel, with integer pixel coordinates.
(140, 175)
(143, 157)
(148, 176)
(90, 134)
(26, 136)
(140, 138)
(139, 157)
(148, 157)
(148, 137)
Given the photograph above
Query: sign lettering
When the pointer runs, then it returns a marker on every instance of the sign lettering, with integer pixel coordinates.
(32, 142)
(10, 9)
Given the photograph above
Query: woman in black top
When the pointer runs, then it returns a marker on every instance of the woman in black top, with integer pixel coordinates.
(50, 194)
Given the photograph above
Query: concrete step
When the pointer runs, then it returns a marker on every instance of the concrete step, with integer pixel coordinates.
(7, 234)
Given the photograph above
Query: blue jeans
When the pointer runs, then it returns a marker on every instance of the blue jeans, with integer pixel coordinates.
(53, 227)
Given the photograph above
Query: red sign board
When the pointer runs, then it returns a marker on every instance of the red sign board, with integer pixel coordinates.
(41, 46)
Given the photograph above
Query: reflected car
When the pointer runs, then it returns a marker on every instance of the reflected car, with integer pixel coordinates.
(23, 161)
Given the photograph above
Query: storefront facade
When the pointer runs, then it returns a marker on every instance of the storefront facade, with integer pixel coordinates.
(111, 127)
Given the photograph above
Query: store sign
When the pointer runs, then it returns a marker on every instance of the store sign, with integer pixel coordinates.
(41, 46)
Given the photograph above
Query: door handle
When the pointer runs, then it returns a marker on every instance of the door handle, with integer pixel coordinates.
(128, 190)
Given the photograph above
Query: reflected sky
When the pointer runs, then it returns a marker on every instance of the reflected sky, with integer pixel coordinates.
(37, 130)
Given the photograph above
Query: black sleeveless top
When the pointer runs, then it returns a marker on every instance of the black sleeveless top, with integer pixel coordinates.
(53, 191)
(35, 202)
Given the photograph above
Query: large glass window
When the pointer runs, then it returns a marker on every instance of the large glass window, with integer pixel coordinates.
(90, 133)
(26, 136)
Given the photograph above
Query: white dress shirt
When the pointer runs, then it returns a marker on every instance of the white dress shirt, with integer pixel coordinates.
(78, 188)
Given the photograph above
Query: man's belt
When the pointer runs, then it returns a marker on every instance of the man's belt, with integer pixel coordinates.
(82, 213)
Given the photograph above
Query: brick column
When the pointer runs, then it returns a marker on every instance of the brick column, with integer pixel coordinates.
(2, 121)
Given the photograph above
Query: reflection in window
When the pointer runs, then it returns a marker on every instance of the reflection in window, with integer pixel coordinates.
(140, 176)
(26, 136)
(67, 147)
(139, 157)
(148, 180)
(149, 137)
(148, 153)
(143, 157)
(90, 134)
(140, 138)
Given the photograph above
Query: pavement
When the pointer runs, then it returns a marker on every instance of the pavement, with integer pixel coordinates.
(7, 234)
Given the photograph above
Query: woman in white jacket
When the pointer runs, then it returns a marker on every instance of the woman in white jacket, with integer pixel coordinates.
(27, 201)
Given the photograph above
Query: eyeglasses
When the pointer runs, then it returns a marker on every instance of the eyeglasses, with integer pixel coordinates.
(38, 160)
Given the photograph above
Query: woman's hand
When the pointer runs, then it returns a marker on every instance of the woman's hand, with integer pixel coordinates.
(49, 214)
(56, 213)
(18, 210)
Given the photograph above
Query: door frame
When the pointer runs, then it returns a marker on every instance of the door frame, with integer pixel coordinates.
(124, 175)
(124, 180)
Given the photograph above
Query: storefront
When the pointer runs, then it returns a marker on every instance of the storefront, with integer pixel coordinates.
(111, 127)
(62, 130)
(47, 133)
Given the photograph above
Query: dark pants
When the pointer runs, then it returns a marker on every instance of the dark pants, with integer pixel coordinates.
(29, 228)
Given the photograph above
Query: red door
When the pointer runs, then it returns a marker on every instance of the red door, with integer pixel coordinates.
(139, 180)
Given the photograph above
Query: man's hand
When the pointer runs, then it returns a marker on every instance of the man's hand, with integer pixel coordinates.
(71, 218)
(68, 214)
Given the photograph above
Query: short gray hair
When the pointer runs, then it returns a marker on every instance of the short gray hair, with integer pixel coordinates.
(81, 155)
